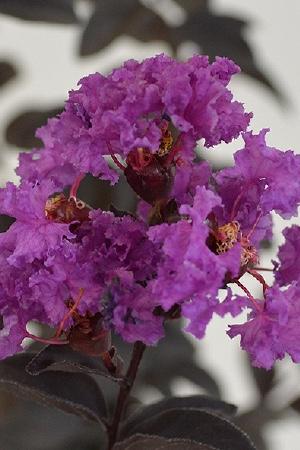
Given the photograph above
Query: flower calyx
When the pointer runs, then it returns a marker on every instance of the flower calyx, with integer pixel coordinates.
(91, 337)
(151, 174)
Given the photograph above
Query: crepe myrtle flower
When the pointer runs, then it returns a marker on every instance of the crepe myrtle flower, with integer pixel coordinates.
(288, 269)
(273, 325)
(63, 283)
(32, 234)
(267, 182)
(121, 114)
(195, 234)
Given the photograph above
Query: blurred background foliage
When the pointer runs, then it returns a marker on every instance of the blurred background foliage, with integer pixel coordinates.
(24, 425)
(107, 21)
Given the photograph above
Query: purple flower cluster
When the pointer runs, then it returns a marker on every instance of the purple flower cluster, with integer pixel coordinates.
(196, 233)
(124, 110)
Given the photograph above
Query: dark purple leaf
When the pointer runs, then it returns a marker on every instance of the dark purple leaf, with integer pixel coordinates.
(254, 421)
(192, 6)
(200, 402)
(63, 358)
(30, 426)
(295, 405)
(161, 376)
(266, 244)
(190, 371)
(196, 425)
(132, 405)
(106, 23)
(54, 11)
(5, 222)
(7, 72)
(76, 393)
(21, 131)
(222, 36)
(146, 26)
(140, 442)
(264, 379)
(162, 367)
(171, 359)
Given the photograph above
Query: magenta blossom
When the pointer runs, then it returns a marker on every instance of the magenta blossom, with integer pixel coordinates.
(289, 269)
(262, 180)
(32, 235)
(196, 232)
(273, 328)
(123, 111)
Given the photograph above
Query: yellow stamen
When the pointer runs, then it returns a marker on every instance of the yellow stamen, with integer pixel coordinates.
(166, 143)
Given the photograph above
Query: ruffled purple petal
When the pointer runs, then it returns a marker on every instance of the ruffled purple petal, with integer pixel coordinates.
(289, 269)
(32, 234)
(273, 330)
(125, 109)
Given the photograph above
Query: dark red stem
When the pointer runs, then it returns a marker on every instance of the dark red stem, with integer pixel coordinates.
(251, 298)
(114, 158)
(76, 184)
(259, 278)
(125, 388)
(52, 341)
